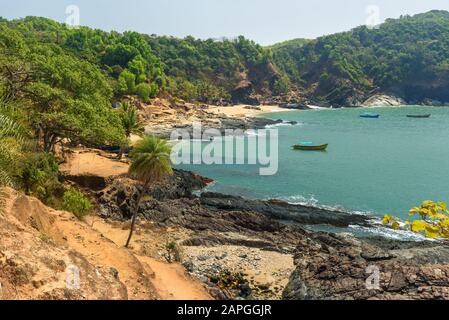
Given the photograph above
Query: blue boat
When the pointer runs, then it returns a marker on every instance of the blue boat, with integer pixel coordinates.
(370, 115)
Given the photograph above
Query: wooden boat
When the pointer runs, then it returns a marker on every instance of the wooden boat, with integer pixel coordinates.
(370, 115)
(307, 147)
(418, 115)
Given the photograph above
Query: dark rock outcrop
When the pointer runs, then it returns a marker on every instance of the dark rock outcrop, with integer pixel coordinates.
(328, 266)
(118, 199)
(342, 267)
(281, 210)
(95, 183)
(173, 202)
(228, 123)
(209, 225)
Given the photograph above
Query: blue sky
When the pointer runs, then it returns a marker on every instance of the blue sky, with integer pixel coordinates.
(265, 21)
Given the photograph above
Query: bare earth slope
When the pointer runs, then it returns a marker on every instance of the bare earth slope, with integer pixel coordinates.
(38, 246)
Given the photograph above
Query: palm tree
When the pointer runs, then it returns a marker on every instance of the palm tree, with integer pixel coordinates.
(131, 123)
(12, 140)
(130, 120)
(150, 162)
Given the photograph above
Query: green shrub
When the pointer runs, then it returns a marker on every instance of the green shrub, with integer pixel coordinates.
(76, 203)
(146, 91)
(126, 82)
(143, 91)
(40, 177)
(45, 237)
(173, 252)
(281, 86)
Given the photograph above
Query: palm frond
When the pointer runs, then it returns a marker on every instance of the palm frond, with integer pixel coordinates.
(5, 179)
(150, 159)
(130, 120)
(10, 128)
(12, 140)
(3, 195)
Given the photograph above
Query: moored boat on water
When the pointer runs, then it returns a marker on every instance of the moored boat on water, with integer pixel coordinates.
(370, 115)
(418, 116)
(310, 147)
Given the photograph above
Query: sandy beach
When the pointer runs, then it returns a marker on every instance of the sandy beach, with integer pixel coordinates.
(241, 110)
(162, 116)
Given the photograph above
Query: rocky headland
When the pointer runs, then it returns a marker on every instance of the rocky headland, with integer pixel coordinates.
(255, 249)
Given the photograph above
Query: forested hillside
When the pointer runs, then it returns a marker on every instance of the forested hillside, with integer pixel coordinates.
(47, 95)
(237, 70)
(212, 71)
(406, 57)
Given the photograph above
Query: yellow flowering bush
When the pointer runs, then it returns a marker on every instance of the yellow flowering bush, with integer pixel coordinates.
(434, 222)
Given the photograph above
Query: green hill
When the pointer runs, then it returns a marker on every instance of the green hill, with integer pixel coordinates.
(407, 57)
(236, 70)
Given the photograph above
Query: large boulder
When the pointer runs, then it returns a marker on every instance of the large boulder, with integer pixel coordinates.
(118, 200)
(383, 100)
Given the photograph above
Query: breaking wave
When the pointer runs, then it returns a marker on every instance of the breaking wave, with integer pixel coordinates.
(376, 228)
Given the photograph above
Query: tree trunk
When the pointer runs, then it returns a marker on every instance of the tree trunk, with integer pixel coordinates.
(122, 148)
(49, 140)
(136, 212)
(120, 153)
(46, 142)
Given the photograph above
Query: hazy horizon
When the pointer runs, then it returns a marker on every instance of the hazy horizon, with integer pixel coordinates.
(263, 21)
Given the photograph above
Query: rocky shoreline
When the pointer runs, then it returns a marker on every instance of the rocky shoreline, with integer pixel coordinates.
(360, 100)
(342, 267)
(165, 116)
(220, 124)
(261, 249)
(215, 243)
(255, 243)
(284, 211)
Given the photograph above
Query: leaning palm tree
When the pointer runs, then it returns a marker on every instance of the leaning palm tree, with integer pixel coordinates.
(150, 163)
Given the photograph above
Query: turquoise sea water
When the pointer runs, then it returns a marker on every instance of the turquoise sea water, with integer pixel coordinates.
(375, 166)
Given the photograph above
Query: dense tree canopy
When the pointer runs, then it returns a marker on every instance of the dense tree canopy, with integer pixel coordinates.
(60, 95)
(211, 70)
(189, 68)
(112, 52)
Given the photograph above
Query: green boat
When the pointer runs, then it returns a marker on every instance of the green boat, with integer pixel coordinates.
(307, 147)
